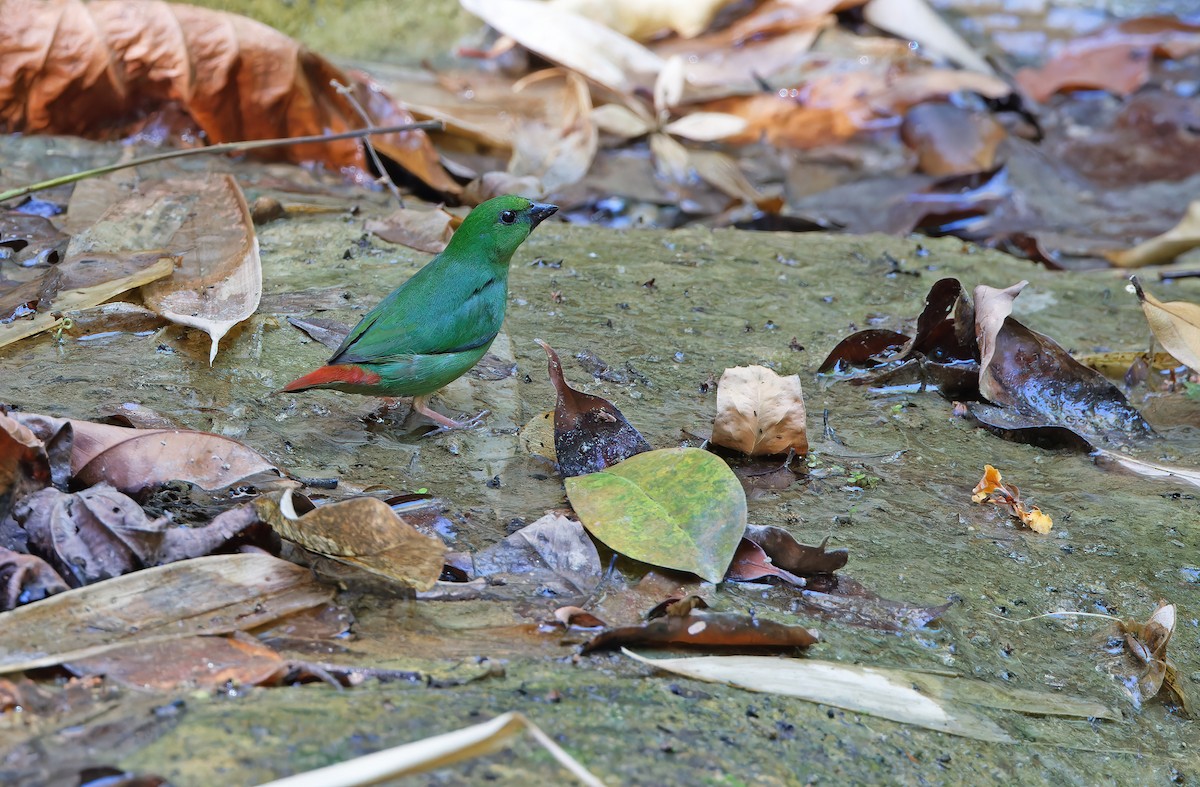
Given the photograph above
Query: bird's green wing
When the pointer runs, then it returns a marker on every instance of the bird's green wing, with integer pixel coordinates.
(450, 305)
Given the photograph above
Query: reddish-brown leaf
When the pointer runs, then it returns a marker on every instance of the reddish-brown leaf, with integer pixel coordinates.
(708, 630)
(92, 69)
(590, 433)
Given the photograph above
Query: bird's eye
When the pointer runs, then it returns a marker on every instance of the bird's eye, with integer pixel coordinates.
(508, 217)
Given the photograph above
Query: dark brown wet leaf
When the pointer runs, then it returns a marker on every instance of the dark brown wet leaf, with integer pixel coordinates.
(1029, 373)
(750, 562)
(942, 351)
(759, 474)
(30, 238)
(362, 532)
(24, 465)
(708, 630)
(576, 617)
(26, 578)
(864, 348)
(590, 433)
(789, 554)
(552, 556)
(950, 140)
(100, 533)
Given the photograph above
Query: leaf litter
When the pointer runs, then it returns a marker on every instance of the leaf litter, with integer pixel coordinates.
(942, 323)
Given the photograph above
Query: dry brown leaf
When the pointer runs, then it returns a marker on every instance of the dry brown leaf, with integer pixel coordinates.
(591, 49)
(1176, 325)
(219, 283)
(208, 595)
(80, 281)
(837, 104)
(24, 464)
(148, 457)
(424, 230)
(557, 148)
(1160, 249)
(641, 20)
(1148, 643)
(84, 68)
(759, 412)
(950, 140)
(363, 532)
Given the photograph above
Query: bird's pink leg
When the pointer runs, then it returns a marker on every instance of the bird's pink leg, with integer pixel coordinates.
(421, 405)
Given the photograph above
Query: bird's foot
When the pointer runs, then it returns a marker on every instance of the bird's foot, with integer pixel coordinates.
(445, 423)
(452, 425)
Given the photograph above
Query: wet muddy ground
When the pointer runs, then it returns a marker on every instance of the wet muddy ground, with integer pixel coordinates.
(895, 492)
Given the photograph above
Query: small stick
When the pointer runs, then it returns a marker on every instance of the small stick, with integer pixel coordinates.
(384, 177)
(225, 147)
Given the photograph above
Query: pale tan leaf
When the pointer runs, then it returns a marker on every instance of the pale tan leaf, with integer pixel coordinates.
(759, 412)
(621, 121)
(1183, 237)
(363, 532)
(668, 87)
(886, 693)
(220, 281)
(992, 306)
(670, 158)
(436, 753)
(595, 51)
(205, 595)
(80, 281)
(1176, 325)
(722, 171)
(1143, 467)
(706, 126)
(557, 148)
(915, 20)
(206, 221)
(642, 20)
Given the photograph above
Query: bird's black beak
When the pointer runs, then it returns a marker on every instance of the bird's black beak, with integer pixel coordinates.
(538, 211)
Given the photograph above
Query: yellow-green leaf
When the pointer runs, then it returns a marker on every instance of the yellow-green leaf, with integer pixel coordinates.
(680, 508)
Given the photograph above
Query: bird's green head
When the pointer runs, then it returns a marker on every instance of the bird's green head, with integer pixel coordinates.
(497, 227)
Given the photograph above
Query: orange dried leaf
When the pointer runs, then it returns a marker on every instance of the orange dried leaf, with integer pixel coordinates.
(95, 69)
(990, 482)
(1034, 519)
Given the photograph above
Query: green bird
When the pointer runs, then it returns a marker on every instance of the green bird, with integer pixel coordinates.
(433, 328)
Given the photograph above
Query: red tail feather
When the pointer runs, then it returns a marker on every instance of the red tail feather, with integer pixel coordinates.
(341, 373)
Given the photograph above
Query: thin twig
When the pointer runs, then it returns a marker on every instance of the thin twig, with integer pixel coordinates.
(384, 177)
(226, 147)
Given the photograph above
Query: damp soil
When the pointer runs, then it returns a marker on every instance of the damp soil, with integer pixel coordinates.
(666, 312)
